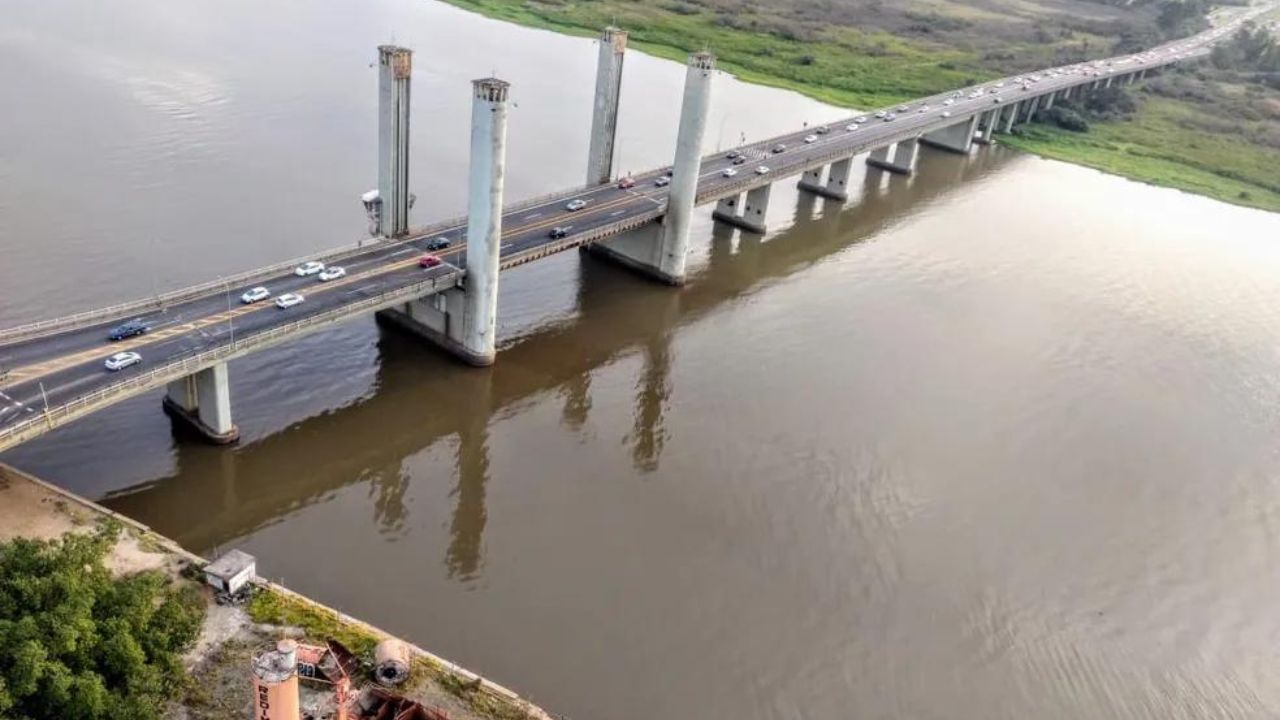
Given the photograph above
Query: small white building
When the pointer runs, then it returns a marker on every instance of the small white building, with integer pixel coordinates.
(230, 572)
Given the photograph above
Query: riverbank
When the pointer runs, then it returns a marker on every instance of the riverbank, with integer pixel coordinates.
(864, 67)
(220, 658)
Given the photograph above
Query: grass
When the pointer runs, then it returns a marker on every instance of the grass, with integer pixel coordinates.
(316, 623)
(846, 66)
(1160, 146)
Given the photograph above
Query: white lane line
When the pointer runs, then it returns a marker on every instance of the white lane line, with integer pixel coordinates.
(616, 213)
(405, 251)
(533, 216)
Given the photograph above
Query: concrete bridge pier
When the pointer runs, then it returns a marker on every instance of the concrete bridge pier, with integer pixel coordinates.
(957, 138)
(836, 185)
(202, 402)
(661, 251)
(395, 65)
(747, 214)
(1010, 117)
(464, 321)
(990, 120)
(1048, 100)
(604, 115)
(903, 161)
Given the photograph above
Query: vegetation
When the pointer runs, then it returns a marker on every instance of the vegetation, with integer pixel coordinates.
(1211, 129)
(873, 53)
(80, 644)
(317, 623)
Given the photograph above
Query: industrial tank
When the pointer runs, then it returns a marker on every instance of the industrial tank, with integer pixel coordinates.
(275, 682)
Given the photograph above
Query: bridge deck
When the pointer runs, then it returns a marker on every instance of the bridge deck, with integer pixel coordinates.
(58, 365)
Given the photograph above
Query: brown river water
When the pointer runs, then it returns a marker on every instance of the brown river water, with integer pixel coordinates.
(995, 441)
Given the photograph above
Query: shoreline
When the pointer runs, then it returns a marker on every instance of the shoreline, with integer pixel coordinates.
(48, 511)
(1095, 150)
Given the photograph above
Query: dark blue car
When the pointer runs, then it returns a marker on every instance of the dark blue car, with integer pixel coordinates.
(128, 330)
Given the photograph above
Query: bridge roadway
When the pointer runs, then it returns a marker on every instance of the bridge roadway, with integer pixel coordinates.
(59, 366)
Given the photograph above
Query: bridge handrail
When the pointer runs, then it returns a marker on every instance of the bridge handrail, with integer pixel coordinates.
(193, 363)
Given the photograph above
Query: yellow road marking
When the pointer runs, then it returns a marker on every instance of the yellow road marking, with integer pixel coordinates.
(46, 367)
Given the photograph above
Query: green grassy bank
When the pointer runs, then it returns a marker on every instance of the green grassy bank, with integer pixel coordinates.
(866, 67)
(1160, 145)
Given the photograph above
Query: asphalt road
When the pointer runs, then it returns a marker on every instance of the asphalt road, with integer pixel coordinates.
(57, 368)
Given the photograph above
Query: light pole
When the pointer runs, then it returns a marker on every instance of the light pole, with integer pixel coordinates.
(231, 326)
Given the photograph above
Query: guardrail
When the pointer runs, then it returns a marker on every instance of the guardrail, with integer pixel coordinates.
(84, 404)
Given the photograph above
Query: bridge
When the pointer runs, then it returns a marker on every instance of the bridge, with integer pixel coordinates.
(53, 369)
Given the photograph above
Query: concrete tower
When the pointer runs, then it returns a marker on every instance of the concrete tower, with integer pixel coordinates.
(687, 166)
(484, 217)
(604, 115)
(395, 64)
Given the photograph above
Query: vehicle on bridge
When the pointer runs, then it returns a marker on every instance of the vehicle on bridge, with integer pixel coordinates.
(128, 330)
(252, 296)
(733, 154)
(308, 268)
(810, 138)
(429, 261)
(729, 172)
(762, 170)
(122, 360)
(740, 160)
(626, 183)
(575, 205)
(333, 272)
(662, 181)
(558, 232)
(439, 243)
(778, 148)
(288, 300)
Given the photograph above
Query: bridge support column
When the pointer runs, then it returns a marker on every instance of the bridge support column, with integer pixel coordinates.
(989, 122)
(604, 115)
(662, 251)
(838, 179)
(1108, 82)
(904, 157)
(395, 64)
(746, 214)
(202, 402)
(957, 138)
(1048, 101)
(464, 322)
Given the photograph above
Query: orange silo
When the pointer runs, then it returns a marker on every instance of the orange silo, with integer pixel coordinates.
(275, 682)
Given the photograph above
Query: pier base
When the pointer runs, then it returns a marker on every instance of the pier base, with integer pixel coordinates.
(202, 402)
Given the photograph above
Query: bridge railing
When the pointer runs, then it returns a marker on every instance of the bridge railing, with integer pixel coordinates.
(83, 404)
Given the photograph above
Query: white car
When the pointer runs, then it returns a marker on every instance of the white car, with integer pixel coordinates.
(575, 205)
(332, 272)
(252, 296)
(729, 172)
(810, 138)
(762, 170)
(946, 113)
(662, 181)
(122, 360)
(308, 268)
(890, 117)
(923, 109)
(881, 113)
(852, 127)
(949, 101)
(288, 300)
(861, 119)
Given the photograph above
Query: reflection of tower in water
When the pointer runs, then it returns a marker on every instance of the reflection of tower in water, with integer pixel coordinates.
(463, 557)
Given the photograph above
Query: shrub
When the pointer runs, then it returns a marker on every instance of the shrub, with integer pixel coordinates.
(82, 645)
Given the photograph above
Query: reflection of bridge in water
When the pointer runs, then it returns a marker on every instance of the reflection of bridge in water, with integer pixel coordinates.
(206, 504)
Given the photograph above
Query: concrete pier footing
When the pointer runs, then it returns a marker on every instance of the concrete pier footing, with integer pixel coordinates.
(395, 65)
(662, 251)
(903, 160)
(202, 402)
(604, 114)
(828, 181)
(747, 213)
(464, 321)
(957, 138)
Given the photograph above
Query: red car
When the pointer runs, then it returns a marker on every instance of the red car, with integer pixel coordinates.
(429, 261)
(627, 182)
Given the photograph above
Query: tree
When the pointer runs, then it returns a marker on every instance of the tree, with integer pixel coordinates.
(83, 645)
